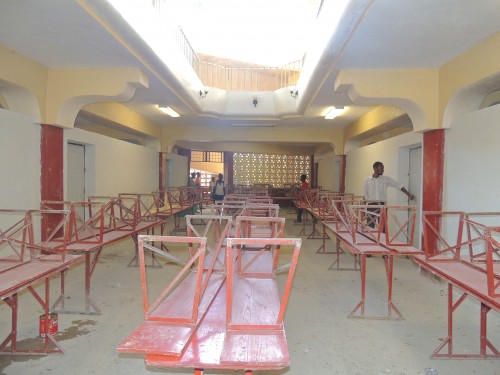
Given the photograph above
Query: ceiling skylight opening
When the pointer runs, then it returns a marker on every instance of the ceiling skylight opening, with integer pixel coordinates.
(269, 33)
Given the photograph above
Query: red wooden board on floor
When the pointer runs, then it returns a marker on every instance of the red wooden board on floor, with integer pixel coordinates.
(212, 346)
(161, 336)
(152, 337)
(255, 302)
(255, 350)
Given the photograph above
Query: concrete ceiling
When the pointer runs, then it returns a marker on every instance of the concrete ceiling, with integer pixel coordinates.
(391, 34)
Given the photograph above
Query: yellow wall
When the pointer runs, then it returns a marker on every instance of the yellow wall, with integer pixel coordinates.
(372, 120)
(466, 80)
(122, 115)
(24, 84)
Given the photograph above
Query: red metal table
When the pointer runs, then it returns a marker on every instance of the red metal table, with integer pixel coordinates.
(472, 281)
(25, 276)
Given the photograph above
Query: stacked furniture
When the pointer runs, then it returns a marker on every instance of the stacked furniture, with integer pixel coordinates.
(224, 309)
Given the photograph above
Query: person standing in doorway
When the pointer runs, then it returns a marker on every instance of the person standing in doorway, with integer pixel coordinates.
(375, 189)
(219, 189)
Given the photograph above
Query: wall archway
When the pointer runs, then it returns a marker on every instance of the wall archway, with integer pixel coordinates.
(470, 98)
(19, 99)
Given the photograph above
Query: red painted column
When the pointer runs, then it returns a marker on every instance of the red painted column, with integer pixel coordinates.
(342, 167)
(432, 175)
(162, 171)
(313, 181)
(229, 169)
(52, 172)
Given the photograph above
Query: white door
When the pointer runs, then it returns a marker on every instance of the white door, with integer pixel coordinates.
(75, 175)
(415, 186)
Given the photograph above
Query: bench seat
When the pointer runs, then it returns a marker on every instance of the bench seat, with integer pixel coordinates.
(471, 280)
(227, 350)
(16, 279)
(162, 332)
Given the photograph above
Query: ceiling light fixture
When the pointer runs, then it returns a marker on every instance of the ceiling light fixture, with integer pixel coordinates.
(255, 101)
(334, 112)
(254, 125)
(168, 110)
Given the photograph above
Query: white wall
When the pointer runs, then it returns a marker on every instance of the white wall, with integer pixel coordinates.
(177, 170)
(114, 166)
(394, 153)
(328, 173)
(19, 161)
(471, 166)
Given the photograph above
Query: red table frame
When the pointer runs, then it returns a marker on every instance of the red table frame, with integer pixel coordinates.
(351, 228)
(452, 257)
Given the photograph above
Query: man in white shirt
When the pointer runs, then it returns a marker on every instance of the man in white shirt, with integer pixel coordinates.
(376, 185)
(375, 191)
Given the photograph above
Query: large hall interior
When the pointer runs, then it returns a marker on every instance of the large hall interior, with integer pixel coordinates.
(107, 108)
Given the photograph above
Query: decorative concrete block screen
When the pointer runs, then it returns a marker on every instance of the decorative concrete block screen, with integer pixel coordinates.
(271, 169)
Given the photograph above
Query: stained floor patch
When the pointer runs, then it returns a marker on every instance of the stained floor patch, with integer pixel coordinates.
(78, 328)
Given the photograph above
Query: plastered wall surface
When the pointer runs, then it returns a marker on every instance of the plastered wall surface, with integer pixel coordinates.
(177, 170)
(19, 161)
(328, 173)
(116, 166)
(472, 155)
(393, 153)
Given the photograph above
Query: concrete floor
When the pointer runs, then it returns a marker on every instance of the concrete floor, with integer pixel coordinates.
(321, 339)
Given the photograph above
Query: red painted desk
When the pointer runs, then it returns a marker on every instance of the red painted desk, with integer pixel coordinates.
(25, 276)
(471, 279)
(92, 252)
(360, 247)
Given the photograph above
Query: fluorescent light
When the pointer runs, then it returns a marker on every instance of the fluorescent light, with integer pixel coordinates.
(255, 125)
(334, 112)
(169, 111)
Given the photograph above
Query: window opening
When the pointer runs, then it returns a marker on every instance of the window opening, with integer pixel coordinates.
(208, 156)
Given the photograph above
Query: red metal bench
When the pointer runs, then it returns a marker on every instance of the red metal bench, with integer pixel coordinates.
(243, 328)
(390, 236)
(203, 318)
(171, 320)
(109, 220)
(29, 260)
(463, 249)
(177, 202)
